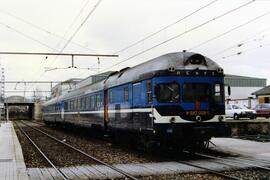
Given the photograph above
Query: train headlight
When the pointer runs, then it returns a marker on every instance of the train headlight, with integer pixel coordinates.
(171, 69)
(198, 118)
(196, 59)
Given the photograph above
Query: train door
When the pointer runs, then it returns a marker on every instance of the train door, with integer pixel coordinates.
(62, 111)
(136, 103)
(106, 114)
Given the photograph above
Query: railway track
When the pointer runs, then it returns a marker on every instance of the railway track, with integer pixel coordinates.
(258, 138)
(209, 170)
(261, 165)
(62, 174)
(221, 173)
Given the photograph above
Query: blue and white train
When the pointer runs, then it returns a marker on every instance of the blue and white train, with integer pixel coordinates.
(177, 97)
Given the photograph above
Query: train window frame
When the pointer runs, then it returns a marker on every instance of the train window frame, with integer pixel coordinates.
(82, 103)
(218, 94)
(92, 101)
(126, 93)
(65, 105)
(175, 100)
(87, 102)
(98, 98)
(110, 96)
(79, 103)
(194, 100)
(149, 92)
(72, 105)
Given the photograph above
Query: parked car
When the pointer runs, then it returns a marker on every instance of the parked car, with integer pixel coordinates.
(236, 111)
(263, 110)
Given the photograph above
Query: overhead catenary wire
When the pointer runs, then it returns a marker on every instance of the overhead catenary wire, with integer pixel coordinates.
(242, 52)
(27, 36)
(229, 31)
(183, 33)
(242, 43)
(81, 25)
(77, 30)
(74, 21)
(44, 30)
(73, 35)
(166, 27)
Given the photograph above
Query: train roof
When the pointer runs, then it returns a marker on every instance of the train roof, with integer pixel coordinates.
(172, 61)
(178, 61)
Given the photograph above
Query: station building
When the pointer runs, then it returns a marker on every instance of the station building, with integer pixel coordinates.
(243, 88)
(263, 95)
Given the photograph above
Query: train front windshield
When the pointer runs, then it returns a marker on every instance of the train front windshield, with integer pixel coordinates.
(191, 92)
(167, 92)
(196, 92)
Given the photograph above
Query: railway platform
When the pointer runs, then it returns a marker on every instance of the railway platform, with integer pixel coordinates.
(12, 166)
(241, 147)
(246, 126)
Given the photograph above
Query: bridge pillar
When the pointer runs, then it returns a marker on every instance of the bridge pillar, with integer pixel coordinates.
(37, 113)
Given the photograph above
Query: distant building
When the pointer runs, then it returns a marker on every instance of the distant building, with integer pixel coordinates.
(66, 86)
(242, 88)
(263, 95)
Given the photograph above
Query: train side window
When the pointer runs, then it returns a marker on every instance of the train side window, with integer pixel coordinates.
(82, 104)
(72, 105)
(65, 105)
(87, 102)
(110, 96)
(78, 103)
(218, 92)
(149, 91)
(98, 100)
(126, 94)
(92, 102)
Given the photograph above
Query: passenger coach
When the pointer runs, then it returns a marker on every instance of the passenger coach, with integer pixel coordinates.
(177, 97)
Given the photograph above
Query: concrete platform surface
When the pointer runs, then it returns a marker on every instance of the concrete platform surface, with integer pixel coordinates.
(12, 166)
(254, 149)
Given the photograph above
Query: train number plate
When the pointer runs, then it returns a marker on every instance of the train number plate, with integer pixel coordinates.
(197, 113)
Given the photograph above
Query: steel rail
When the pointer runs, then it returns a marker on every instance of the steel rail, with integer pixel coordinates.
(40, 151)
(210, 170)
(190, 164)
(247, 157)
(253, 160)
(233, 161)
(84, 153)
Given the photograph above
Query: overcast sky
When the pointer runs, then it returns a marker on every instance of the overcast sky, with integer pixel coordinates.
(39, 26)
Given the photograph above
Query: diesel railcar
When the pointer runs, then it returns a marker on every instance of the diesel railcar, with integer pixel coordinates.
(176, 98)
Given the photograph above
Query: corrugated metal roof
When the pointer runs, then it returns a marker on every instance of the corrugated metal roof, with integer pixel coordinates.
(244, 81)
(263, 91)
(230, 76)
